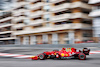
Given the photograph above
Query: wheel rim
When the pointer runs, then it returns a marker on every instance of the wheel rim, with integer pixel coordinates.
(41, 56)
(82, 56)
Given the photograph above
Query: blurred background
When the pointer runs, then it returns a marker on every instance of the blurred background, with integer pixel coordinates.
(32, 22)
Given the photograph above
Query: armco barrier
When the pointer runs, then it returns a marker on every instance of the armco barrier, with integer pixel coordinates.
(55, 45)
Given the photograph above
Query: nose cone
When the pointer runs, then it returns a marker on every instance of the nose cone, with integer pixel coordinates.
(35, 58)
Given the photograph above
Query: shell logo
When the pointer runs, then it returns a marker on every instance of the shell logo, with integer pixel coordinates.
(62, 54)
(66, 54)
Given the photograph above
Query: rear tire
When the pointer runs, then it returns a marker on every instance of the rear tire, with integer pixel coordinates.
(82, 56)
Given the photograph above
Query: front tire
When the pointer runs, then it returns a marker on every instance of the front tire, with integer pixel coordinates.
(42, 56)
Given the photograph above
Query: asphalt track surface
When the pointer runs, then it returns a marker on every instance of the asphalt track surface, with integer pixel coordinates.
(92, 61)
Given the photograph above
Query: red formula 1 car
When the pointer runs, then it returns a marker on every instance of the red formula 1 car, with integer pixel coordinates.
(63, 54)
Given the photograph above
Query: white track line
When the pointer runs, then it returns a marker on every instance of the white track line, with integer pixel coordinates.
(94, 52)
(15, 55)
(28, 56)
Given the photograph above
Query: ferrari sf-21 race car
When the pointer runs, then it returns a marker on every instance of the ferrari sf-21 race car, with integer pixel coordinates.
(63, 54)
